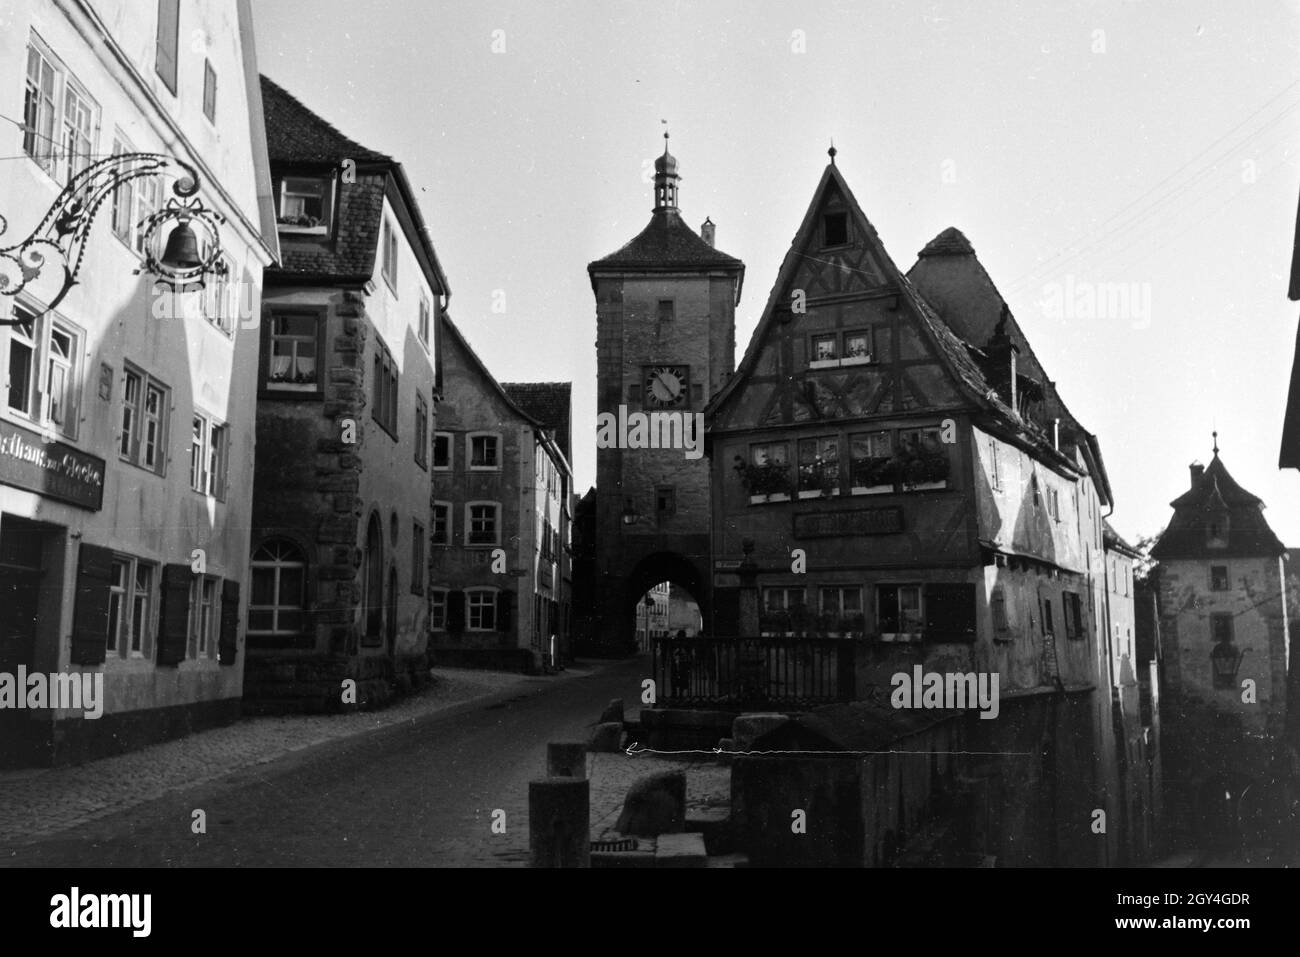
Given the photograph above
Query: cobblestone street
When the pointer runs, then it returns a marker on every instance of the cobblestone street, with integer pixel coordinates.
(414, 784)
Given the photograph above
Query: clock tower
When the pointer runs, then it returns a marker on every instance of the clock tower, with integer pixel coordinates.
(665, 343)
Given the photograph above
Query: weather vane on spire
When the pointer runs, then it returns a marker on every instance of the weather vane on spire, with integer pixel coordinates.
(1215, 433)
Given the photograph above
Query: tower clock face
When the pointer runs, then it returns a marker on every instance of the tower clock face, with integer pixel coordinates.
(665, 386)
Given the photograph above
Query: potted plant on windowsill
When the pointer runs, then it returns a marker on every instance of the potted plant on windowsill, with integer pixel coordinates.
(819, 479)
(925, 469)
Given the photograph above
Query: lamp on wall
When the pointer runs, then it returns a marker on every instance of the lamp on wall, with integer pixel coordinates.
(1225, 660)
(62, 233)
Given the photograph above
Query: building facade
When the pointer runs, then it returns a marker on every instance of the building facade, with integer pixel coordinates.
(501, 526)
(1225, 638)
(665, 343)
(127, 419)
(346, 380)
(913, 485)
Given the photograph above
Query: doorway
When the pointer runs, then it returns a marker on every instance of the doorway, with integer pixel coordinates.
(21, 550)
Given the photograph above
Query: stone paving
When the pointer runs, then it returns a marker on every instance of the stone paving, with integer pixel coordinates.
(38, 802)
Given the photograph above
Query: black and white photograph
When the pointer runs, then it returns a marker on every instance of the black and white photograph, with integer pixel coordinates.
(571, 435)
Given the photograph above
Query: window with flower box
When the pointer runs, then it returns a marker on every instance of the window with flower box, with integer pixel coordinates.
(819, 467)
(871, 454)
(766, 476)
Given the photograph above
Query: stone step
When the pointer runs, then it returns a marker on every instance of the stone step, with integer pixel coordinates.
(681, 850)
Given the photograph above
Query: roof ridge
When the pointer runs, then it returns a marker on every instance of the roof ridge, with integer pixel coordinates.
(354, 149)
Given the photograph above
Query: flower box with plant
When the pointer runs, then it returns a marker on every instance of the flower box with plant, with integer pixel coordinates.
(769, 482)
(872, 476)
(819, 478)
(924, 468)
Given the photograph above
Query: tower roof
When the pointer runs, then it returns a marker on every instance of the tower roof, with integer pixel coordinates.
(668, 242)
(1213, 496)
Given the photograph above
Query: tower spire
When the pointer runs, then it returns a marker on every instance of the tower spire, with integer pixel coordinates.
(1215, 433)
(666, 179)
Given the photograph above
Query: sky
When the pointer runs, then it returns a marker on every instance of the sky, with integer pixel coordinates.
(1145, 153)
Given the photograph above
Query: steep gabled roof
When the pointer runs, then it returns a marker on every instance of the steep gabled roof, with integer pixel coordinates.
(298, 137)
(666, 243)
(1215, 494)
(295, 134)
(966, 372)
(458, 338)
(550, 403)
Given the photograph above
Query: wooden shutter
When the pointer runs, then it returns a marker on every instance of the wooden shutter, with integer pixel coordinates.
(90, 620)
(950, 612)
(455, 612)
(168, 37)
(174, 614)
(505, 606)
(228, 644)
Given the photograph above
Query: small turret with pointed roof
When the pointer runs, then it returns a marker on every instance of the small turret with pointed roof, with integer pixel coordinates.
(1216, 517)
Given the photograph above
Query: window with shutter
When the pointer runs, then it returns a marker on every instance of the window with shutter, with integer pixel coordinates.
(90, 620)
(174, 615)
(949, 611)
(228, 645)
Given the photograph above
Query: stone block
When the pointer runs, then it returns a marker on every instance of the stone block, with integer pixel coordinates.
(559, 822)
(613, 711)
(681, 850)
(748, 728)
(655, 805)
(566, 759)
(605, 737)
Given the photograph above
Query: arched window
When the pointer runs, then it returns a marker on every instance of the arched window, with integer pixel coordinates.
(374, 578)
(277, 605)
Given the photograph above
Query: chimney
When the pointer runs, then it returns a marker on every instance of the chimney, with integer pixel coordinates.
(706, 231)
(1197, 470)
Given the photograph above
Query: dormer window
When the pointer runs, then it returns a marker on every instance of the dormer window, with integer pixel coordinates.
(306, 205)
(1216, 532)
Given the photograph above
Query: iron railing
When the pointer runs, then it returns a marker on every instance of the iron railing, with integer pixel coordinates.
(753, 673)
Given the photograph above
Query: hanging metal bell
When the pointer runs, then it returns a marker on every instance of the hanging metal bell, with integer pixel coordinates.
(182, 250)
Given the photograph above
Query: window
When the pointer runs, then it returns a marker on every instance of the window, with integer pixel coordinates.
(39, 108)
(145, 406)
(209, 91)
(870, 454)
(208, 452)
(1221, 628)
(898, 610)
(438, 609)
(278, 600)
(130, 603)
(118, 603)
(203, 608)
(1033, 488)
(79, 121)
(147, 201)
(1049, 624)
(442, 523)
(835, 229)
(484, 451)
(666, 310)
(924, 460)
(819, 467)
(424, 319)
(417, 558)
(995, 471)
(1219, 578)
(389, 253)
(383, 390)
(306, 205)
(665, 503)
(441, 451)
(1053, 503)
(44, 378)
(421, 432)
(482, 523)
(291, 364)
(168, 36)
(857, 347)
(841, 609)
(1073, 615)
(825, 348)
(784, 612)
(216, 298)
(481, 606)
